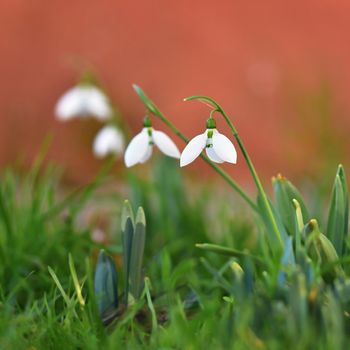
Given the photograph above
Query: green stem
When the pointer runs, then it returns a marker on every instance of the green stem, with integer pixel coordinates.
(223, 174)
(262, 193)
(153, 109)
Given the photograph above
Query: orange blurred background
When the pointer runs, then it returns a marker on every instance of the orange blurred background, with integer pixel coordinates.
(281, 68)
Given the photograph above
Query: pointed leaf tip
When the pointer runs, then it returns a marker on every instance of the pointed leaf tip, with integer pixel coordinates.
(127, 212)
(144, 98)
(140, 216)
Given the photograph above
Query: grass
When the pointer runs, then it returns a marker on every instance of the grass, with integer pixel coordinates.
(194, 298)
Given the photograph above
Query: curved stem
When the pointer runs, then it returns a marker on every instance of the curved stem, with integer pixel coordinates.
(220, 171)
(255, 176)
(154, 109)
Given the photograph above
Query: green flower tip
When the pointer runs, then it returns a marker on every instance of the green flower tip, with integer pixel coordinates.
(87, 78)
(236, 268)
(147, 122)
(211, 123)
(295, 203)
(340, 171)
(279, 178)
(311, 226)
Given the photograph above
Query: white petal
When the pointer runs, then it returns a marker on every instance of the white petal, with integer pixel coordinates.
(224, 148)
(165, 144)
(147, 155)
(193, 149)
(70, 104)
(212, 155)
(108, 140)
(83, 101)
(97, 103)
(137, 149)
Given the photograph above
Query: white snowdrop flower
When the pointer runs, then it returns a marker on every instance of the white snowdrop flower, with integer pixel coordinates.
(109, 140)
(82, 101)
(140, 147)
(218, 147)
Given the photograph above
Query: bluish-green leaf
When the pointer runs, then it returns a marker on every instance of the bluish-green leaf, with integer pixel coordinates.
(106, 284)
(287, 261)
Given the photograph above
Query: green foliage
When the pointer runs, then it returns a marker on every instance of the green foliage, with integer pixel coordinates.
(229, 293)
(134, 235)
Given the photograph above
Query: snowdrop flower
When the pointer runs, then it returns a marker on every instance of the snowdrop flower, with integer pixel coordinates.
(141, 146)
(81, 101)
(218, 147)
(109, 140)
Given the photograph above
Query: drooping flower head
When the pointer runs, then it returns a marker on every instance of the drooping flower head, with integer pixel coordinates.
(140, 147)
(109, 140)
(217, 146)
(84, 100)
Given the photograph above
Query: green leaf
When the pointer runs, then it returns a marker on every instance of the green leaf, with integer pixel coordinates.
(138, 245)
(206, 100)
(127, 235)
(322, 251)
(127, 212)
(59, 286)
(337, 227)
(285, 192)
(287, 262)
(297, 299)
(147, 102)
(342, 176)
(150, 304)
(265, 216)
(5, 215)
(298, 229)
(214, 248)
(106, 285)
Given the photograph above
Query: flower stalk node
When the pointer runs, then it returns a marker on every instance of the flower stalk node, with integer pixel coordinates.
(211, 123)
(147, 123)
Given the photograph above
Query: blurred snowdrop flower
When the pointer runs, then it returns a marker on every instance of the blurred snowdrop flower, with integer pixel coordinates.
(81, 101)
(109, 140)
(218, 147)
(140, 147)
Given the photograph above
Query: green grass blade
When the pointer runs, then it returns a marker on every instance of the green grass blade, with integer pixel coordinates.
(214, 248)
(76, 281)
(59, 286)
(150, 304)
